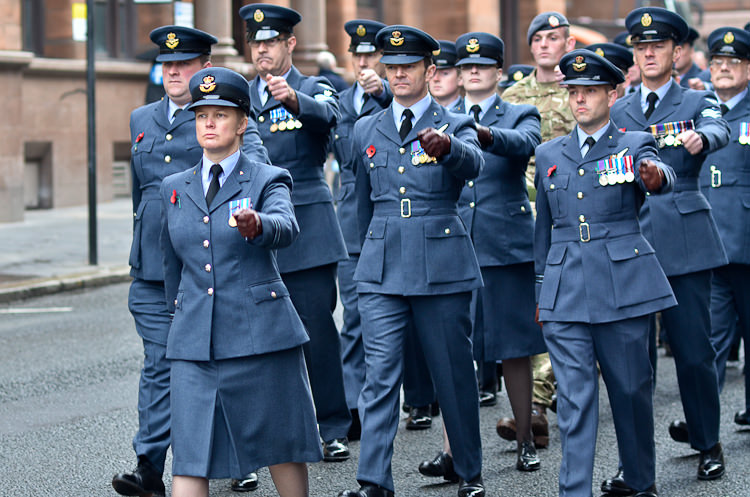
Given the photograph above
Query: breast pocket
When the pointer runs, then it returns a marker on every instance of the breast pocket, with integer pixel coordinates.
(377, 166)
(141, 151)
(609, 198)
(552, 274)
(556, 188)
(448, 251)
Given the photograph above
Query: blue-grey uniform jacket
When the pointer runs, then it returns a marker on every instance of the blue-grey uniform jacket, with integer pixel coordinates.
(679, 224)
(302, 152)
(226, 293)
(597, 267)
(725, 180)
(158, 150)
(342, 149)
(495, 206)
(414, 242)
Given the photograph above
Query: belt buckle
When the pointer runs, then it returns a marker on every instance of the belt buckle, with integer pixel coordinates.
(715, 178)
(405, 207)
(584, 233)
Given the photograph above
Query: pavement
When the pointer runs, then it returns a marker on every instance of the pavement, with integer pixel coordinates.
(48, 251)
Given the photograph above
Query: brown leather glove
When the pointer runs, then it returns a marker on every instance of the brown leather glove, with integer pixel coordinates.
(248, 223)
(651, 175)
(434, 143)
(485, 136)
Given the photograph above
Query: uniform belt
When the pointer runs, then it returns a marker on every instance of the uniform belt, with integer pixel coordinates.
(585, 232)
(684, 184)
(408, 208)
(306, 173)
(150, 194)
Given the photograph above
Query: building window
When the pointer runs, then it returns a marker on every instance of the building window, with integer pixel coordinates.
(32, 21)
(370, 9)
(114, 31)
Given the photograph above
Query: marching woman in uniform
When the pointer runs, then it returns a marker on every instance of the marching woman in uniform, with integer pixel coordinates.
(235, 338)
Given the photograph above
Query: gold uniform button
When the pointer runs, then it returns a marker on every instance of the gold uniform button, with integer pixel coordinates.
(472, 204)
(167, 159)
(168, 137)
(336, 137)
(581, 172)
(580, 195)
(261, 119)
(523, 208)
(471, 184)
(447, 231)
(582, 218)
(206, 243)
(205, 219)
(552, 186)
(370, 232)
(273, 295)
(402, 150)
(372, 165)
(210, 291)
(207, 267)
(401, 169)
(135, 214)
(402, 190)
(175, 301)
(636, 251)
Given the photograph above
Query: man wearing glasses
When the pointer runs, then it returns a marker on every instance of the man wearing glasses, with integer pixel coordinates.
(725, 181)
(295, 116)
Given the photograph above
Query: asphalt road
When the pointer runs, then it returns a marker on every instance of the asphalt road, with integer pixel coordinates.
(68, 388)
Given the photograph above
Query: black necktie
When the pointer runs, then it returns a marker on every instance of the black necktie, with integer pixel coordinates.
(475, 109)
(266, 95)
(651, 98)
(590, 142)
(724, 109)
(176, 113)
(213, 188)
(405, 123)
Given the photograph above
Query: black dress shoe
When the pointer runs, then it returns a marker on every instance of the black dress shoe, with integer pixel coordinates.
(487, 398)
(527, 459)
(742, 418)
(650, 492)
(442, 465)
(246, 484)
(678, 430)
(419, 418)
(435, 408)
(471, 488)
(711, 464)
(336, 450)
(616, 485)
(367, 490)
(143, 481)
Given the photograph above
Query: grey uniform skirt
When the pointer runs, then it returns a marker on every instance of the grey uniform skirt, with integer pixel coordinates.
(233, 416)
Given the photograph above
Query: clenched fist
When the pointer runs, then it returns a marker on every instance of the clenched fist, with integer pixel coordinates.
(484, 135)
(248, 223)
(434, 143)
(651, 175)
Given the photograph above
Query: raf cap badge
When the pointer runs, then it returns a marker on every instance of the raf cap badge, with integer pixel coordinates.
(172, 41)
(208, 84)
(579, 65)
(599, 52)
(258, 16)
(553, 21)
(396, 39)
(472, 46)
(646, 19)
(517, 76)
(729, 38)
(361, 31)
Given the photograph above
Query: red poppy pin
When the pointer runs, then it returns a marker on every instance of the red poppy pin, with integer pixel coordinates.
(175, 199)
(551, 170)
(370, 151)
(139, 137)
(623, 130)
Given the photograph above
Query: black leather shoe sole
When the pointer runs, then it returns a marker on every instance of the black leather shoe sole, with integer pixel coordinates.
(245, 484)
(126, 487)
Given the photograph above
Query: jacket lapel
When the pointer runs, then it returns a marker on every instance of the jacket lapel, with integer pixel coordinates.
(387, 127)
(194, 188)
(160, 114)
(604, 146)
(494, 113)
(570, 148)
(668, 106)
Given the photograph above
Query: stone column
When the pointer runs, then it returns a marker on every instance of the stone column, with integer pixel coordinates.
(311, 34)
(215, 17)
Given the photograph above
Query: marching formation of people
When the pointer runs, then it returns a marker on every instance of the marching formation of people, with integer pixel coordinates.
(521, 231)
